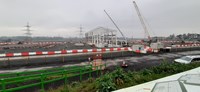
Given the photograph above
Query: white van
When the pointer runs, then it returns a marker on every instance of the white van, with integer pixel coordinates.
(188, 59)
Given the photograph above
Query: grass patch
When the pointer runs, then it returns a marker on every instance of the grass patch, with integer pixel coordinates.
(120, 79)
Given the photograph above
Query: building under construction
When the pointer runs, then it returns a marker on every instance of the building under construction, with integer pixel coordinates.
(102, 37)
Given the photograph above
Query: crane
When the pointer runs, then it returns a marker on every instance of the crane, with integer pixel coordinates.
(116, 27)
(142, 21)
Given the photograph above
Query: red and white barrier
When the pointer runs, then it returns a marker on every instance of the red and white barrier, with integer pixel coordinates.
(186, 45)
(65, 52)
(148, 49)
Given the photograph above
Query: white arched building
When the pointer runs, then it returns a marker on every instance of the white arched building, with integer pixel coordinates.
(102, 37)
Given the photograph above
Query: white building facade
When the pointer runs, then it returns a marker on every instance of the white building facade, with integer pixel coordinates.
(102, 37)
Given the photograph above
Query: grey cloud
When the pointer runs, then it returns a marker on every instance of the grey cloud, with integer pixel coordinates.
(54, 17)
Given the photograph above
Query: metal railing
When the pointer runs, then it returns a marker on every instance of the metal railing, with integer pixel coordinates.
(18, 81)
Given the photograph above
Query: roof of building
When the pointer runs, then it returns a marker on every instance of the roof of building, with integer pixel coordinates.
(101, 30)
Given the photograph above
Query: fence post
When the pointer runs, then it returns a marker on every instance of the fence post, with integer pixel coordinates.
(65, 80)
(4, 62)
(101, 69)
(3, 85)
(9, 62)
(63, 59)
(80, 74)
(45, 59)
(27, 61)
(97, 70)
(17, 74)
(42, 81)
(105, 64)
(90, 74)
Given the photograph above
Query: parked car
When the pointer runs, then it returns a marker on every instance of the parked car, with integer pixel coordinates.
(188, 59)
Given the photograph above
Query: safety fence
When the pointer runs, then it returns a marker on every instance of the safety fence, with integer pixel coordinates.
(18, 81)
(100, 50)
(186, 45)
(64, 52)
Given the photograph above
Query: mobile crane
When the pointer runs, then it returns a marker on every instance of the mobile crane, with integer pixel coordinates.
(154, 45)
(143, 23)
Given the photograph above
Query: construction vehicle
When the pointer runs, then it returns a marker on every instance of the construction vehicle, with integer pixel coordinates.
(153, 44)
(124, 64)
(143, 23)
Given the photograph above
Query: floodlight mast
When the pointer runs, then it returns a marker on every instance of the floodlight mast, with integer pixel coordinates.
(116, 26)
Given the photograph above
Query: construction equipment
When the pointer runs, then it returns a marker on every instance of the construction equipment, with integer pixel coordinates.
(142, 22)
(155, 45)
(116, 27)
(124, 64)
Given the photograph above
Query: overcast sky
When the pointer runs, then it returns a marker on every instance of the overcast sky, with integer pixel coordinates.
(64, 17)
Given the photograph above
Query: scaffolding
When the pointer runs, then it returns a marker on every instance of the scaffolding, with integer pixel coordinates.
(102, 37)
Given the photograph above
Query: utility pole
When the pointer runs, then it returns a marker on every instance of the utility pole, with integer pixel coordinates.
(28, 32)
(81, 32)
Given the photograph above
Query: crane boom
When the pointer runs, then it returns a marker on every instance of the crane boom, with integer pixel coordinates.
(141, 20)
(116, 26)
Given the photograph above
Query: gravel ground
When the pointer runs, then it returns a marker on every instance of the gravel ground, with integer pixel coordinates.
(34, 48)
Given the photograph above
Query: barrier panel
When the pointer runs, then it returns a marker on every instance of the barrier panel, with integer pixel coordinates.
(64, 52)
(74, 51)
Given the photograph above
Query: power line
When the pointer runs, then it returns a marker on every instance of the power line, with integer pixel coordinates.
(28, 31)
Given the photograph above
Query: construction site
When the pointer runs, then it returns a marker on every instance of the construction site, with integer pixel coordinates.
(34, 66)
